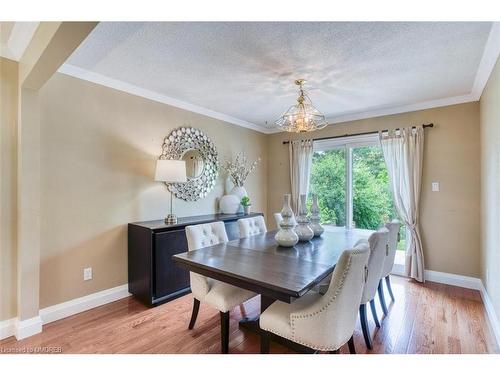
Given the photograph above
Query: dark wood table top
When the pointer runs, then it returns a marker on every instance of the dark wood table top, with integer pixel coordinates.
(257, 263)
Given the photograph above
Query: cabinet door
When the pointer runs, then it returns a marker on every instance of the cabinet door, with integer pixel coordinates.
(169, 277)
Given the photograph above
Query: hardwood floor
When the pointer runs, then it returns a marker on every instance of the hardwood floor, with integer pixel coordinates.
(429, 318)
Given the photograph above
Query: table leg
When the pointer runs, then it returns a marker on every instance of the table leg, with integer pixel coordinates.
(252, 324)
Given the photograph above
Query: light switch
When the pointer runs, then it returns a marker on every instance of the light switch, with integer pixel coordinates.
(435, 186)
(87, 274)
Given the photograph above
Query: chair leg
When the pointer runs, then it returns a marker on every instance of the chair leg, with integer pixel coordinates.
(364, 326)
(224, 332)
(350, 343)
(264, 342)
(381, 296)
(388, 283)
(374, 313)
(194, 314)
(243, 311)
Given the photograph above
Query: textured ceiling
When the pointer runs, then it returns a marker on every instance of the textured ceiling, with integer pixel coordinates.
(246, 70)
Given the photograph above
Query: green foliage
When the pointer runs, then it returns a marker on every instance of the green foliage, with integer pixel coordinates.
(245, 201)
(372, 200)
(328, 182)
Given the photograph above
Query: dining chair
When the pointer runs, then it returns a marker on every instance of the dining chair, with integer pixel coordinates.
(322, 322)
(278, 219)
(219, 295)
(251, 226)
(393, 228)
(378, 249)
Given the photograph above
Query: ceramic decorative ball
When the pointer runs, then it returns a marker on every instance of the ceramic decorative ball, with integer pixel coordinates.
(229, 204)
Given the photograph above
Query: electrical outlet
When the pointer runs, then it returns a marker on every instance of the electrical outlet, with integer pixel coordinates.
(435, 186)
(87, 274)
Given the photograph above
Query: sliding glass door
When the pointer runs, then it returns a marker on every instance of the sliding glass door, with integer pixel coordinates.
(372, 204)
(351, 180)
(328, 180)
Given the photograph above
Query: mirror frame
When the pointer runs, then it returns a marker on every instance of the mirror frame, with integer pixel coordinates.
(175, 145)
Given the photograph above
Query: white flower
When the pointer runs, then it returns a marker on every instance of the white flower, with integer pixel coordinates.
(239, 169)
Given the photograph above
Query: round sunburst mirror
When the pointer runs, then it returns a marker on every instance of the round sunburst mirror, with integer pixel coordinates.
(202, 162)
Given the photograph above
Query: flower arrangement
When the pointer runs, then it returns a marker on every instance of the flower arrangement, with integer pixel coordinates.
(239, 169)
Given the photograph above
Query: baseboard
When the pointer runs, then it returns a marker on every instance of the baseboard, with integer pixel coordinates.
(454, 279)
(78, 305)
(7, 328)
(492, 315)
(398, 270)
(22, 329)
(28, 327)
(470, 283)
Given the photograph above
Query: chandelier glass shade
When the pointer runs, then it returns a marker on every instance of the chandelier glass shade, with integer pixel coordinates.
(303, 116)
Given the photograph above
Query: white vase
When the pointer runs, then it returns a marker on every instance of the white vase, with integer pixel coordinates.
(286, 236)
(315, 218)
(229, 204)
(239, 191)
(303, 229)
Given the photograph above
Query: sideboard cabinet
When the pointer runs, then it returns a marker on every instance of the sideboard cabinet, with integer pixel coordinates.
(153, 278)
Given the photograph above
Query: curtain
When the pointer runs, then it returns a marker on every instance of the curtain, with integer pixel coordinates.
(300, 169)
(403, 154)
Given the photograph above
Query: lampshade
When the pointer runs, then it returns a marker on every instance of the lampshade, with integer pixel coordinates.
(170, 171)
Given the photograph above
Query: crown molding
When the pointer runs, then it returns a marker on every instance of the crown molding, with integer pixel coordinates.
(116, 84)
(488, 61)
(404, 108)
(395, 110)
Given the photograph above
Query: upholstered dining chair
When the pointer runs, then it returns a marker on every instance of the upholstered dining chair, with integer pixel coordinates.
(278, 219)
(251, 226)
(378, 248)
(393, 228)
(219, 295)
(322, 322)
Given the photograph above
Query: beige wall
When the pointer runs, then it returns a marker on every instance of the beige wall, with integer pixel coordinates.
(98, 152)
(8, 163)
(98, 148)
(449, 218)
(490, 183)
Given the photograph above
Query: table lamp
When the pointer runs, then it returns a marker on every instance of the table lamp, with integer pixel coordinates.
(170, 171)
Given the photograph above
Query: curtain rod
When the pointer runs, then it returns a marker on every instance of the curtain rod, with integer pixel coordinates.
(431, 125)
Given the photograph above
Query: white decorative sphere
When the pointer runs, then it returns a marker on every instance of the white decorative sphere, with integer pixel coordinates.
(229, 204)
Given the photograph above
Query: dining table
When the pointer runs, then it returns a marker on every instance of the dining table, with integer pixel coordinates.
(277, 273)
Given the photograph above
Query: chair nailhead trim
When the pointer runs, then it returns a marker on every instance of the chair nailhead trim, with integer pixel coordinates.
(296, 316)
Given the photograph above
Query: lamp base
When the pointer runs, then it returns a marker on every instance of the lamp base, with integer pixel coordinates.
(171, 219)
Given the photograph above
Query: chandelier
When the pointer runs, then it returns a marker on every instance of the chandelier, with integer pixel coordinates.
(301, 117)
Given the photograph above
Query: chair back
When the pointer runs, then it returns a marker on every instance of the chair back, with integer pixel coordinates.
(393, 228)
(251, 226)
(378, 249)
(278, 218)
(331, 320)
(199, 236)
